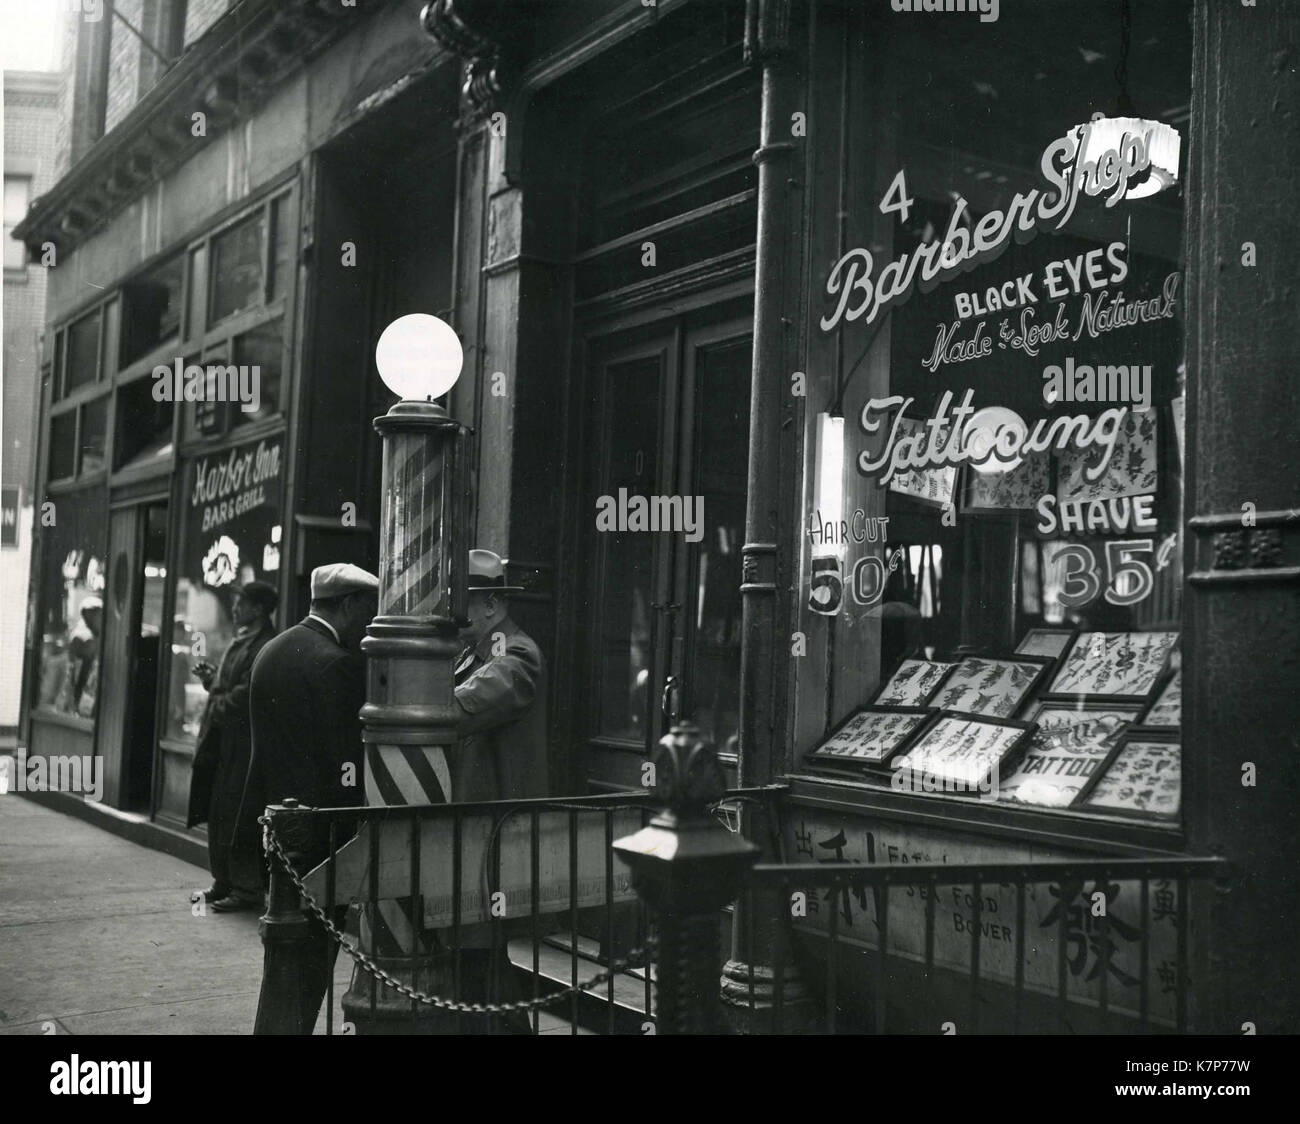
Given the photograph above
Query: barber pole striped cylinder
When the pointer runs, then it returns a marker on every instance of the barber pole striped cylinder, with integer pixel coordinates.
(411, 563)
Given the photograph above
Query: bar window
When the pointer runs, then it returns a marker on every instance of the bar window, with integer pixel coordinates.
(237, 275)
(232, 536)
(259, 355)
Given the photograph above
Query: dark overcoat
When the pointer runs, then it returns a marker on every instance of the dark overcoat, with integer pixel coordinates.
(501, 754)
(307, 693)
(225, 740)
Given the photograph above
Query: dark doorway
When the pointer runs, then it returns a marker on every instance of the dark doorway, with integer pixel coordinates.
(133, 629)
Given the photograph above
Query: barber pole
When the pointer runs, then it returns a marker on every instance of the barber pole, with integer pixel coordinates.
(410, 715)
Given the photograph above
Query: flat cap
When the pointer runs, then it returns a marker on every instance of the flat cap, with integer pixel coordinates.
(339, 578)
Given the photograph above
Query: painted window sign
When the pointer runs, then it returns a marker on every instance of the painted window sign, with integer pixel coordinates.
(860, 293)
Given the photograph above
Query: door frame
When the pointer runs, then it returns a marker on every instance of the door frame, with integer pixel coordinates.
(707, 317)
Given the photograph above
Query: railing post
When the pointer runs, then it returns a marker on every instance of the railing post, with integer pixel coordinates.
(285, 935)
(686, 866)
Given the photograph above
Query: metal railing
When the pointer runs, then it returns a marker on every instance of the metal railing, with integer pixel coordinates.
(635, 895)
(526, 880)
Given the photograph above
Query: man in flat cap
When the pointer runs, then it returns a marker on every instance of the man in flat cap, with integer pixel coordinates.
(307, 692)
(222, 754)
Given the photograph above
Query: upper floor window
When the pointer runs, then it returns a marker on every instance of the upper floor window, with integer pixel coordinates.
(151, 309)
(18, 190)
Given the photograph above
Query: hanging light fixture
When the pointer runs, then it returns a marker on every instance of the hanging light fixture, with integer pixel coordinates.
(1113, 132)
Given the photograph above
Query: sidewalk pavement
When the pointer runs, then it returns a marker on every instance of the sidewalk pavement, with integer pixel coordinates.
(97, 937)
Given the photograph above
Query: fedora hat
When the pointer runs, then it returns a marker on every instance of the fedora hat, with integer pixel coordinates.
(487, 571)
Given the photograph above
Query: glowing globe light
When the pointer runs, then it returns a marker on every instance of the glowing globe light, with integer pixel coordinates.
(419, 357)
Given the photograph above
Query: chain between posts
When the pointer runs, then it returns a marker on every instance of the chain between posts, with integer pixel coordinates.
(633, 959)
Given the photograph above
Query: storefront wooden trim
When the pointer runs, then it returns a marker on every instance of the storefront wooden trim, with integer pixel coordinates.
(71, 722)
(1012, 826)
(701, 285)
(1246, 577)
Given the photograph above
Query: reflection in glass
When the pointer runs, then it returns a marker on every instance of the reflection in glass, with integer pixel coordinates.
(151, 310)
(83, 352)
(63, 446)
(623, 666)
(94, 434)
(72, 614)
(721, 444)
(237, 268)
(262, 348)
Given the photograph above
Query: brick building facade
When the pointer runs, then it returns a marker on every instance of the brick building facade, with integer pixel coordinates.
(30, 110)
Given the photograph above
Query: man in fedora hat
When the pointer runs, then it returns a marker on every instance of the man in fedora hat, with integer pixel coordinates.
(501, 695)
(308, 688)
(501, 751)
(221, 756)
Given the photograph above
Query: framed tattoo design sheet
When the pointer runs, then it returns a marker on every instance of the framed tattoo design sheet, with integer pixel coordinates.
(1166, 708)
(912, 683)
(994, 686)
(1142, 777)
(869, 737)
(1112, 666)
(962, 752)
(1019, 489)
(933, 487)
(1067, 747)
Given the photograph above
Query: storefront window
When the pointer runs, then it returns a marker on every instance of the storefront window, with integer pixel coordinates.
(232, 535)
(71, 591)
(993, 490)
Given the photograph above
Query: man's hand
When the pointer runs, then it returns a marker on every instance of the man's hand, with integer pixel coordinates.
(204, 672)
